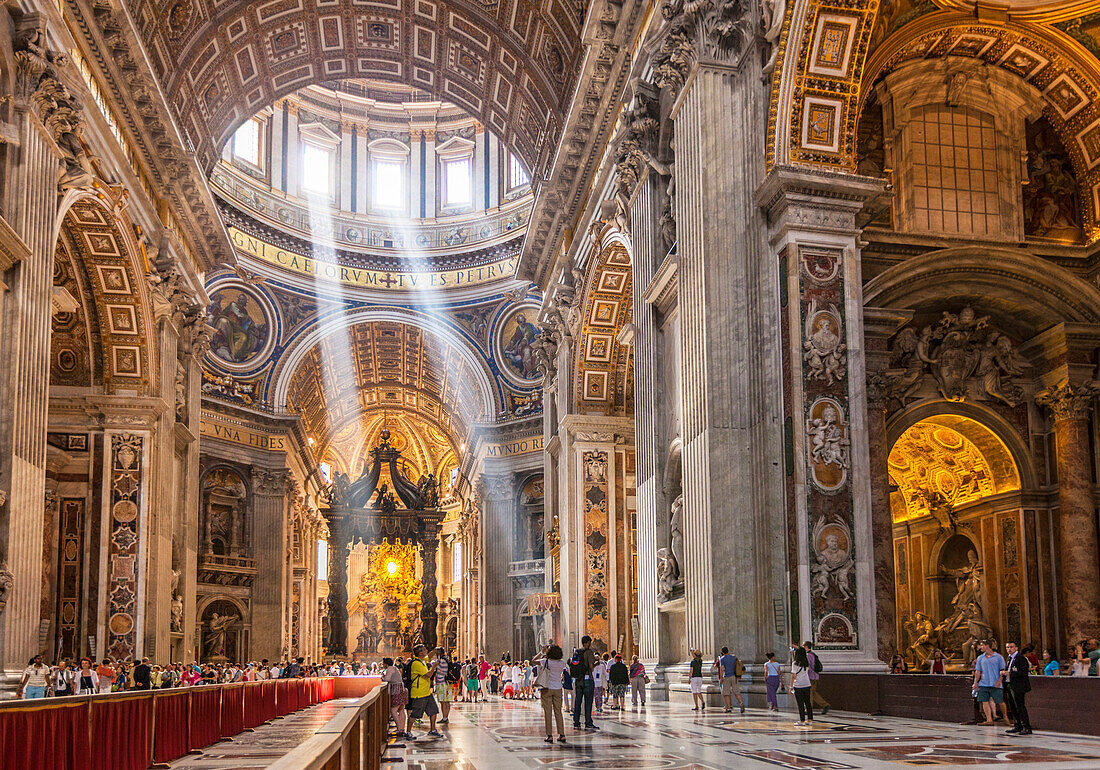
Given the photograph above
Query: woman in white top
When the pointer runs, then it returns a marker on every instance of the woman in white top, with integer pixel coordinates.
(548, 669)
(517, 680)
(87, 680)
(800, 685)
(505, 677)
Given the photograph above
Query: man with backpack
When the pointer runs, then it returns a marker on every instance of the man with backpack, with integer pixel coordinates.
(417, 676)
(446, 677)
(581, 665)
(730, 670)
(815, 673)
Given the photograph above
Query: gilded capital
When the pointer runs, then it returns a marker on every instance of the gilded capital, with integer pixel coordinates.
(1069, 402)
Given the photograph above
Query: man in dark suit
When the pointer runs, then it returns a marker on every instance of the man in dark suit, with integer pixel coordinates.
(1017, 686)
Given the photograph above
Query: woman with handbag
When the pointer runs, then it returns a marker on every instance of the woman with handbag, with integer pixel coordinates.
(549, 667)
(399, 696)
(638, 681)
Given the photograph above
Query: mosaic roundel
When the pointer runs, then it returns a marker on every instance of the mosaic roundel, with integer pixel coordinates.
(515, 345)
(243, 328)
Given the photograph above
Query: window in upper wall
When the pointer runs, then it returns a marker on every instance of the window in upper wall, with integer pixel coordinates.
(316, 169)
(247, 142)
(457, 178)
(456, 562)
(955, 181)
(517, 174)
(389, 183)
(322, 559)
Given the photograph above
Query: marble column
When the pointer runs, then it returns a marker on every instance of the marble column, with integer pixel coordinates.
(429, 600)
(497, 531)
(338, 541)
(269, 537)
(1078, 549)
(731, 413)
(812, 223)
(31, 210)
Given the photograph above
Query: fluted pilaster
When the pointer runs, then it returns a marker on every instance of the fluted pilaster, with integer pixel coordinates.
(730, 384)
(269, 545)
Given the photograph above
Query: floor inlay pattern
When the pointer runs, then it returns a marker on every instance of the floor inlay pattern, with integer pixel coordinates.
(508, 735)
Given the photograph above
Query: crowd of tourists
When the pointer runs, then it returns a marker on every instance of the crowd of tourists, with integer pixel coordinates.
(85, 677)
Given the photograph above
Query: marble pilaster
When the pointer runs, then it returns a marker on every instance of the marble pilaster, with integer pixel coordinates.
(497, 531)
(269, 537)
(1078, 549)
(813, 233)
(731, 406)
(31, 210)
(879, 324)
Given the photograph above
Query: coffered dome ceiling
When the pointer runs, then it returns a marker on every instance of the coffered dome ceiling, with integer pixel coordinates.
(350, 378)
(510, 63)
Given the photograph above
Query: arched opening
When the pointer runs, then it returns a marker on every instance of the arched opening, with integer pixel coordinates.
(955, 494)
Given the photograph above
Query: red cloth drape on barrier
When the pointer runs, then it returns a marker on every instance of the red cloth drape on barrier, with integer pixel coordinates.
(283, 705)
(44, 737)
(206, 716)
(314, 691)
(254, 713)
(232, 709)
(328, 689)
(121, 727)
(270, 693)
(170, 725)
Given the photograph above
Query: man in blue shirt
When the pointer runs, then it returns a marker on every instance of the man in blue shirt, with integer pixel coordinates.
(727, 666)
(988, 671)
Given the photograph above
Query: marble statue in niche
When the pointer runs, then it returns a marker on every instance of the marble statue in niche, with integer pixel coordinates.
(177, 614)
(965, 357)
(217, 631)
(670, 560)
(1052, 207)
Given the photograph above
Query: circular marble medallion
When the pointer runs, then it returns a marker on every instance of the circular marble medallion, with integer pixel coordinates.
(243, 326)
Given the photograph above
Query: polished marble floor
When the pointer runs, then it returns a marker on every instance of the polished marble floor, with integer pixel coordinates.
(505, 735)
(508, 735)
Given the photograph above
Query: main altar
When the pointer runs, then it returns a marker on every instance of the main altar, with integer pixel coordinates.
(395, 524)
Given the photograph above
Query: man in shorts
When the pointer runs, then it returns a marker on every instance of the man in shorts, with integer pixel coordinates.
(444, 693)
(727, 669)
(988, 672)
(421, 701)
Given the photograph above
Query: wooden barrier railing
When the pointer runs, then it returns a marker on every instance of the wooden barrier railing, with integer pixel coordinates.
(132, 730)
(354, 739)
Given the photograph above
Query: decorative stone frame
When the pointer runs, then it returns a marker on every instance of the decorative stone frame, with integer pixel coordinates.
(391, 151)
(318, 135)
(454, 149)
(262, 169)
(959, 83)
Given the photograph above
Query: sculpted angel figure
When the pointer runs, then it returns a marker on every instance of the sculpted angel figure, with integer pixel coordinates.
(828, 444)
(921, 632)
(1000, 362)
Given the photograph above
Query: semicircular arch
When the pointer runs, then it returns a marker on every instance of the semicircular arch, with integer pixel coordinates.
(1039, 293)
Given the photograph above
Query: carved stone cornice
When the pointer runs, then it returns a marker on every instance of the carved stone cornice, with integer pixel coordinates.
(1069, 402)
(148, 122)
(578, 150)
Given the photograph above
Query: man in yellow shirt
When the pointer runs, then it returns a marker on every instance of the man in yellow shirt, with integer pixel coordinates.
(421, 701)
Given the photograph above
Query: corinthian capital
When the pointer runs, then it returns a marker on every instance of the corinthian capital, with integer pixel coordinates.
(496, 487)
(1069, 402)
(270, 483)
(699, 29)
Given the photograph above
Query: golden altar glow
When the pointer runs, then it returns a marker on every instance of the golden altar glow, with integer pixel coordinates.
(390, 577)
(950, 458)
